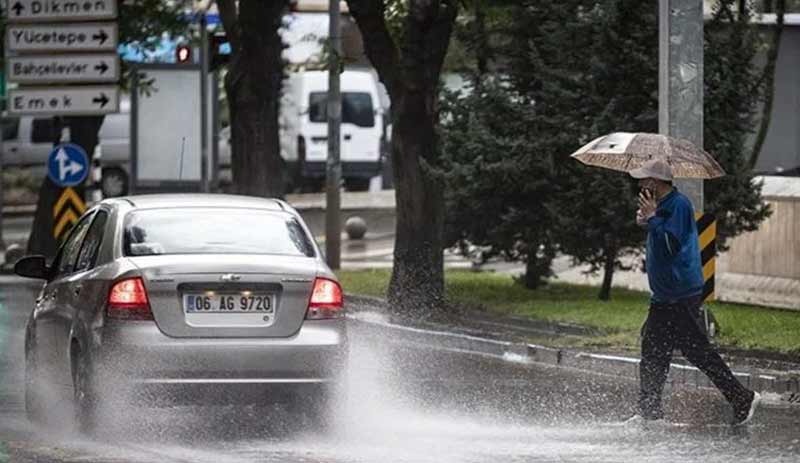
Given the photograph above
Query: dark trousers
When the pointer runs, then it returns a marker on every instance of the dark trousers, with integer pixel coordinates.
(677, 325)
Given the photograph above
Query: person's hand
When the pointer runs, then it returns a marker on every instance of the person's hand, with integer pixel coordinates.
(647, 206)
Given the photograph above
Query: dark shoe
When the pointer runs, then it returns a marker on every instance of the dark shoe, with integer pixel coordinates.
(743, 414)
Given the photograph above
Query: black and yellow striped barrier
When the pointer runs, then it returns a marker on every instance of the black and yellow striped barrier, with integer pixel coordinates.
(66, 212)
(707, 232)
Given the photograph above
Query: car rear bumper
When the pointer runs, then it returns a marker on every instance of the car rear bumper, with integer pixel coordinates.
(138, 352)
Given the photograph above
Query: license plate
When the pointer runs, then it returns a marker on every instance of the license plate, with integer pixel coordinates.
(228, 303)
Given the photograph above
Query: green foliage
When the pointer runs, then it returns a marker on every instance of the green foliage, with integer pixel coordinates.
(396, 12)
(480, 31)
(144, 21)
(576, 70)
(562, 96)
(498, 187)
(620, 93)
(743, 326)
(733, 92)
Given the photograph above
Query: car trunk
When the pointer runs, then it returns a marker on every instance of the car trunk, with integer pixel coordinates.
(228, 295)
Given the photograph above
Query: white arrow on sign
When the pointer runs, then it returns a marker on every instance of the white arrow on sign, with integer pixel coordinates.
(62, 37)
(63, 68)
(66, 166)
(60, 10)
(64, 100)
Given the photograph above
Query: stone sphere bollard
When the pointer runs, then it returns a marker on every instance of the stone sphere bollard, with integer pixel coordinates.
(356, 228)
(14, 252)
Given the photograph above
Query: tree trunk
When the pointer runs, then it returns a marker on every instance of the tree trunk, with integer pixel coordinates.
(608, 274)
(416, 287)
(410, 68)
(253, 86)
(482, 39)
(538, 265)
(532, 278)
(83, 132)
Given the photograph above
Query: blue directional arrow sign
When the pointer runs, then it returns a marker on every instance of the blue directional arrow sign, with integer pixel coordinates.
(68, 165)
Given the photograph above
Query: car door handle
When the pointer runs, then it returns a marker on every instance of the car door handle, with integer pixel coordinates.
(348, 137)
(13, 150)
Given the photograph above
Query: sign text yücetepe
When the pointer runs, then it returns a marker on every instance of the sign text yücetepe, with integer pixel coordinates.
(62, 38)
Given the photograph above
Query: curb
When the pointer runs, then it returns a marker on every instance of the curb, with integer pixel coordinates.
(439, 335)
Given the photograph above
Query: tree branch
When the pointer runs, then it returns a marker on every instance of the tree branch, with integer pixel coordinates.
(429, 26)
(441, 31)
(378, 43)
(230, 22)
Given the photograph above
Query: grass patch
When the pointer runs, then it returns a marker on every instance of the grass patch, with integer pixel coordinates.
(745, 327)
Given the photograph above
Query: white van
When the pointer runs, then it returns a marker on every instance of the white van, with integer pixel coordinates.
(28, 140)
(304, 127)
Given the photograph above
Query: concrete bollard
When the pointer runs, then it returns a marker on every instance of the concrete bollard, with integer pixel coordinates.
(356, 228)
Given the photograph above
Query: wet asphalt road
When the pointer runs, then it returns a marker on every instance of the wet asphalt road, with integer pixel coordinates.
(405, 403)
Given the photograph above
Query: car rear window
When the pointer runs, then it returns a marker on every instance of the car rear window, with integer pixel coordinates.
(214, 231)
(356, 108)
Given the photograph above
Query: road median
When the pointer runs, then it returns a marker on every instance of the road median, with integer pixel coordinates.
(566, 345)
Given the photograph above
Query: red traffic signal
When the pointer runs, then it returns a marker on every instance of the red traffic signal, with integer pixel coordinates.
(183, 54)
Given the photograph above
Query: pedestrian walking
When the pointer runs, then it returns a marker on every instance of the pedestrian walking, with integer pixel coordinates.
(675, 276)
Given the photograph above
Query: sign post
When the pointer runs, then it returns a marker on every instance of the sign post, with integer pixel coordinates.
(62, 54)
(680, 89)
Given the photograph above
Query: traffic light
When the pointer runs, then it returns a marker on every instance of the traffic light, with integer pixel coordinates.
(183, 54)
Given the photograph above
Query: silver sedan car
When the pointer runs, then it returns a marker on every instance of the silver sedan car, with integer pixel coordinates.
(184, 297)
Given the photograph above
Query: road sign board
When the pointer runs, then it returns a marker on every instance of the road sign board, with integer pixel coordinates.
(67, 165)
(62, 37)
(60, 10)
(63, 68)
(64, 100)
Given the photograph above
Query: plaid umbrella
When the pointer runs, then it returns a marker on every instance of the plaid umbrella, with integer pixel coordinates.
(624, 152)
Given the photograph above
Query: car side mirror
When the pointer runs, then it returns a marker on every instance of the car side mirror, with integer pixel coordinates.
(32, 267)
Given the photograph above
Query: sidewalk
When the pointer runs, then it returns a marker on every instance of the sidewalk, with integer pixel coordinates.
(508, 337)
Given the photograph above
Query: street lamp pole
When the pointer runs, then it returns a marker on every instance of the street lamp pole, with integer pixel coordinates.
(204, 184)
(680, 83)
(333, 219)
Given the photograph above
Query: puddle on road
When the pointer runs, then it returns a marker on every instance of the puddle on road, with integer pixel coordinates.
(388, 418)
(383, 422)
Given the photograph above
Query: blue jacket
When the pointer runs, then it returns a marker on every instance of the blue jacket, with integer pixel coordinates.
(674, 270)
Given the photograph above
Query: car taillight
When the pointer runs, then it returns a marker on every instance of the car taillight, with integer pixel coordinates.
(326, 300)
(128, 301)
